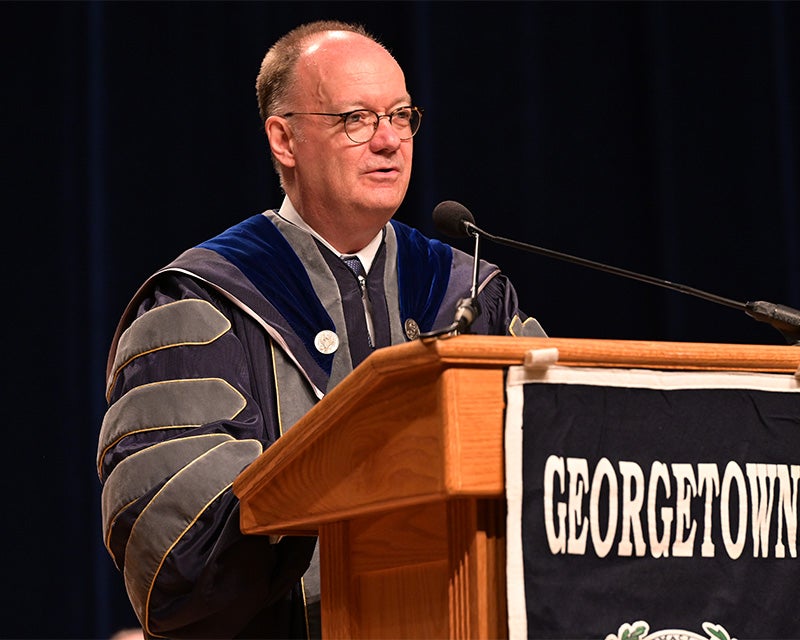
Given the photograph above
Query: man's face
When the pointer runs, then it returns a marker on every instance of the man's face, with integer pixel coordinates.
(360, 184)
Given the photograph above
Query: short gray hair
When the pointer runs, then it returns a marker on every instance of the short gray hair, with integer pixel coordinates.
(277, 73)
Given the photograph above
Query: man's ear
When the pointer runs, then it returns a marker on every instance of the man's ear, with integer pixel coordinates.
(281, 140)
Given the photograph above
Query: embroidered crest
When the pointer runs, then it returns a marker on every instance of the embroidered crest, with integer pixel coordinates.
(640, 630)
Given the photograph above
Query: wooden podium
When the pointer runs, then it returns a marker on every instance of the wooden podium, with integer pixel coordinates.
(399, 470)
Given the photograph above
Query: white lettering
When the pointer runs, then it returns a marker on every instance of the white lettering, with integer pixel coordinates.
(632, 501)
(658, 546)
(602, 544)
(578, 472)
(606, 504)
(788, 498)
(557, 541)
(733, 473)
(687, 488)
(762, 492)
(708, 486)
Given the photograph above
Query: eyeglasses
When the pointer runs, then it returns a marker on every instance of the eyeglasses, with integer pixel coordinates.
(360, 125)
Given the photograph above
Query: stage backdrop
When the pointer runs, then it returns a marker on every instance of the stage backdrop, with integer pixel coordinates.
(658, 137)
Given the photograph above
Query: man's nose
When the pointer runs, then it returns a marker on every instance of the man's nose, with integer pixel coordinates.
(385, 136)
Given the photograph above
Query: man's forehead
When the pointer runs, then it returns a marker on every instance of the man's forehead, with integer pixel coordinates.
(342, 66)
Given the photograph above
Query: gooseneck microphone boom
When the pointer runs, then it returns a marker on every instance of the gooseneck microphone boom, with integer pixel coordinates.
(455, 220)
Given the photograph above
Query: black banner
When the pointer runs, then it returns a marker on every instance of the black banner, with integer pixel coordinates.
(653, 504)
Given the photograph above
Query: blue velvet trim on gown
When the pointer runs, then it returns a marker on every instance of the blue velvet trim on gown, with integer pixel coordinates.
(262, 254)
(423, 273)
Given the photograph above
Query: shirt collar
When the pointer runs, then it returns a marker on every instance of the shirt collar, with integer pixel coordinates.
(366, 255)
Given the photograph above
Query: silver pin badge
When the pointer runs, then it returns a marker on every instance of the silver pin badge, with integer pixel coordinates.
(412, 329)
(326, 341)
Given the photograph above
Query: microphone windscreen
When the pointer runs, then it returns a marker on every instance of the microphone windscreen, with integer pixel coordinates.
(449, 218)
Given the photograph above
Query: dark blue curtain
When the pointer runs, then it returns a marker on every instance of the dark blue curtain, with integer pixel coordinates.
(656, 137)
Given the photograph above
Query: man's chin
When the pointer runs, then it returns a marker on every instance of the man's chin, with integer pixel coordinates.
(384, 207)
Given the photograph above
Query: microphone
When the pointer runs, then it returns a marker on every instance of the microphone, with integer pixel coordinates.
(455, 220)
(452, 218)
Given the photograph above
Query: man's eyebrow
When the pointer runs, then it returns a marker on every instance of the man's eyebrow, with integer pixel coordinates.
(400, 102)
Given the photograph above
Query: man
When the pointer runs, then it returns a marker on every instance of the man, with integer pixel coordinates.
(229, 345)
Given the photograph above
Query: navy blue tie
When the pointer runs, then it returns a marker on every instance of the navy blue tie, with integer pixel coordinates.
(357, 268)
(355, 265)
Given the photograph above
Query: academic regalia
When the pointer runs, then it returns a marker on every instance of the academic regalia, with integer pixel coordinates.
(217, 354)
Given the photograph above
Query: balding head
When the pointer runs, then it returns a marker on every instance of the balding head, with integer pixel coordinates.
(277, 74)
